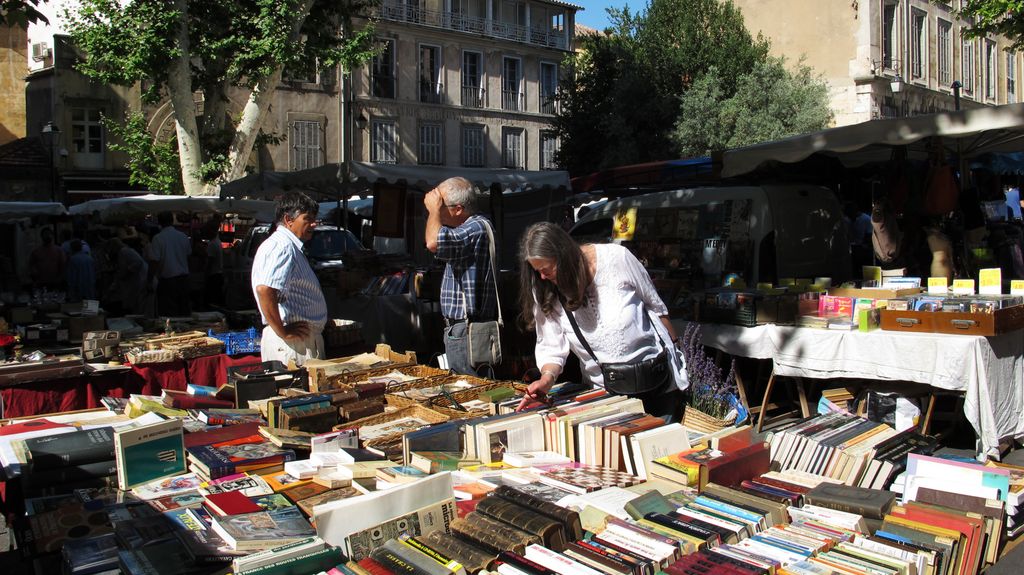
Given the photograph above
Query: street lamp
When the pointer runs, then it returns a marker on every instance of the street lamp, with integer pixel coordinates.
(51, 135)
(956, 94)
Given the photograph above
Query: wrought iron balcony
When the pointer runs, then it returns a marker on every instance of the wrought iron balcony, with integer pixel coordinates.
(431, 92)
(513, 101)
(473, 96)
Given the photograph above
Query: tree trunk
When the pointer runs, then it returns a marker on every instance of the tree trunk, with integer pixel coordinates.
(179, 84)
(255, 111)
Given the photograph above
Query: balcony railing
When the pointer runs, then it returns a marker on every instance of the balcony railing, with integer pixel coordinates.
(513, 101)
(398, 12)
(382, 86)
(472, 97)
(431, 92)
(547, 105)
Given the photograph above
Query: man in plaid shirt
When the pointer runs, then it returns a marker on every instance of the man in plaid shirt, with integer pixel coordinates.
(456, 235)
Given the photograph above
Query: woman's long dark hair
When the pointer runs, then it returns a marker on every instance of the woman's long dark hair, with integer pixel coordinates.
(547, 240)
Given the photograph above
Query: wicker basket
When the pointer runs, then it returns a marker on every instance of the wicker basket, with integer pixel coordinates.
(474, 393)
(697, 420)
(177, 339)
(198, 347)
(418, 411)
(417, 371)
(398, 400)
(341, 332)
(143, 357)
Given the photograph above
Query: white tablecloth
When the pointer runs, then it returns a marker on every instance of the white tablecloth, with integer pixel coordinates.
(988, 370)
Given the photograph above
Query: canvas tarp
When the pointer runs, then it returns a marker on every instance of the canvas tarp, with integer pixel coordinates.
(153, 204)
(14, 210)
(969, 132)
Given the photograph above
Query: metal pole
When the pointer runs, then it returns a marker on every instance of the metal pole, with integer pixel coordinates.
(956, 94)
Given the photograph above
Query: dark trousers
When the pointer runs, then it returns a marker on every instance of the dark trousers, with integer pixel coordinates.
(668, 405)
(172, 297)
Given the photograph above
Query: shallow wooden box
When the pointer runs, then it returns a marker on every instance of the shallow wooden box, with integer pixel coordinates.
(960, 323)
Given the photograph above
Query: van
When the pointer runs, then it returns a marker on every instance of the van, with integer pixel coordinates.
(760, 233)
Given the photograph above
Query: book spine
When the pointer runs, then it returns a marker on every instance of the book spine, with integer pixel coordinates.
(73, 473)
(433, 554)
(393, 563)
(307, 563)
(842, 504)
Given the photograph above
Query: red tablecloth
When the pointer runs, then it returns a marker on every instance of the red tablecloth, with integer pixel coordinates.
(85, 391)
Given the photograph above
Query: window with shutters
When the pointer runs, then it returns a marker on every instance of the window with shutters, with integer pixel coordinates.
(548, 87)
(306, 145)
(548, 150)
(511, 85)
(1011, 77)
(382, 70)
(967, 67)
(945, 55)
(512, 153)
(383, 142)
(918, 44)
(890, 35)
(473, 142)
(87, 137)
(472, 79)
(431, 89)
(991, 57)
(431, 150)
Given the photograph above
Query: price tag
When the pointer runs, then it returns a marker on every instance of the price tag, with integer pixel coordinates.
(963, 287)
(937, 286)
(1016, 287)
(990, 281)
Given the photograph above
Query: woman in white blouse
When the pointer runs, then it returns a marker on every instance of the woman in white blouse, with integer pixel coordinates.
(617, 311)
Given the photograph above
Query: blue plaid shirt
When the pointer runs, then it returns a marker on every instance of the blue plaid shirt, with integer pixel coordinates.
(466, 253)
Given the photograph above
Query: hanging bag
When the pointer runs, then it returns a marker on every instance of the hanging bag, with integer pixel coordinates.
(628, 378)
(483, 338)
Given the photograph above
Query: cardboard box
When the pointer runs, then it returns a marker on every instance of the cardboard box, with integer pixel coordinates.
(78, 325)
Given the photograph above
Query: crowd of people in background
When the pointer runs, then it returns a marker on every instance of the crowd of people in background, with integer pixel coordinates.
(153, 268)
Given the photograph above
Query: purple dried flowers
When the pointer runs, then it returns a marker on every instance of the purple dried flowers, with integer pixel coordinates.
(709, 391)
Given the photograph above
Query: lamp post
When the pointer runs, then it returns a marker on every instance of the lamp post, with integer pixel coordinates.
(51, 134)
(956, 94)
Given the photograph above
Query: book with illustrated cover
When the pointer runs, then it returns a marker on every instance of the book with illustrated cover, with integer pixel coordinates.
(167, 486)
(423, 521)
(271, 502)
(296, 493)
(263, 529)
(249, 485)
(281, 480)
(90, 555)
(307, 504)
(201, 542)
(233, 456)
(288, 438)
(587, 478)
(149, 453)
(181, 500)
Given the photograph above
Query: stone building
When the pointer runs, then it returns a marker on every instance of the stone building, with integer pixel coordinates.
(13, 47)
(888, 58)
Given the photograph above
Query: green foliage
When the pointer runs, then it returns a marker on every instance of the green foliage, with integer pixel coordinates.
(620, 103)
(152, 164)
(231, 44)
(21, 13)
(1003, 17)
(768, 103)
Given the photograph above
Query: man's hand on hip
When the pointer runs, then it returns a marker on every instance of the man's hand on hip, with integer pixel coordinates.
(296, 331)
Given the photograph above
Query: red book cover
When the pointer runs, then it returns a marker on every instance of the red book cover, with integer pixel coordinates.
(734, 467)
(184, 400)
(781, 484)
(221, 434)
(373, 567)
(231, 503)
(465, 507)
(32, 425)
(971, 527)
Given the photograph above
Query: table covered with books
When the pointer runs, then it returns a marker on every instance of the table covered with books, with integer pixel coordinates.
(84, 390)
(988, 370)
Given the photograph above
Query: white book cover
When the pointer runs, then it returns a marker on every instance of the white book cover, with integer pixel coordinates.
(658, 442)
(611, 500)
(557, 562)
(842, 519)
(337, 520)
(515, 434)
(531, 458)
(302, 468)
(167, 486)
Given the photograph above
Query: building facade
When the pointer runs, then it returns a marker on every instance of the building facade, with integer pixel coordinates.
(889, 58)
(462, 83)
(13, 48)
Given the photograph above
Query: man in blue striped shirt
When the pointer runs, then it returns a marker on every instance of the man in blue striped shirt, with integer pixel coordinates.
(456, 235)
(287, 291)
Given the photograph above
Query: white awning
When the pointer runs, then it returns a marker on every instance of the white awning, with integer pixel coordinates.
(990, 129)
(152, 204)
(13, 210)
(426, 177)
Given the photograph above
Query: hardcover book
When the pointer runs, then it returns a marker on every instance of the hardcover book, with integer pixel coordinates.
(587, 478)
(871, 503)
(231, 503)
(227, 457)
(75, 448)
(149, 452)
(307, 504)
(551, 531)
(491, 534)
(167, 486)
(569, 519)
(263, 529)
(297, 493)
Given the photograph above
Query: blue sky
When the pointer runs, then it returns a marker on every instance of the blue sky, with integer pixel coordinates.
(595, 16)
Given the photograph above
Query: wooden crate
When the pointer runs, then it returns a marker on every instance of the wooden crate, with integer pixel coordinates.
(960, 323)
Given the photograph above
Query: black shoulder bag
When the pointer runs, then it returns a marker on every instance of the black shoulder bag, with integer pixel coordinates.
(628, 378)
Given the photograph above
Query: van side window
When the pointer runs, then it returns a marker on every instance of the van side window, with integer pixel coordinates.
(595, 232)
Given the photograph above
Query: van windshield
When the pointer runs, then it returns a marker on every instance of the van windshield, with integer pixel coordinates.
(329, 244)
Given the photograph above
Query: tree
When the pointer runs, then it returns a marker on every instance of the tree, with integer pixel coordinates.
(621, 100)
(21, 13)
(1003, 17)
(176, 48)
(769, 103)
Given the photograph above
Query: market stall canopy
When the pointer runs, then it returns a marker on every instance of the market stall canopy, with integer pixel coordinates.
(153, 204)
(362, 207)
(976, 132)
(324, 181)
(641, 178)
(13, 210)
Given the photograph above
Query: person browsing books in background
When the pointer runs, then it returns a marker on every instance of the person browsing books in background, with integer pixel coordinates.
(287, 291)
(622, 334)
(457, 235)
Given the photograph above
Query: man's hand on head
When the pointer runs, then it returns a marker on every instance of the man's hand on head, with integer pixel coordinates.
(433, 201)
